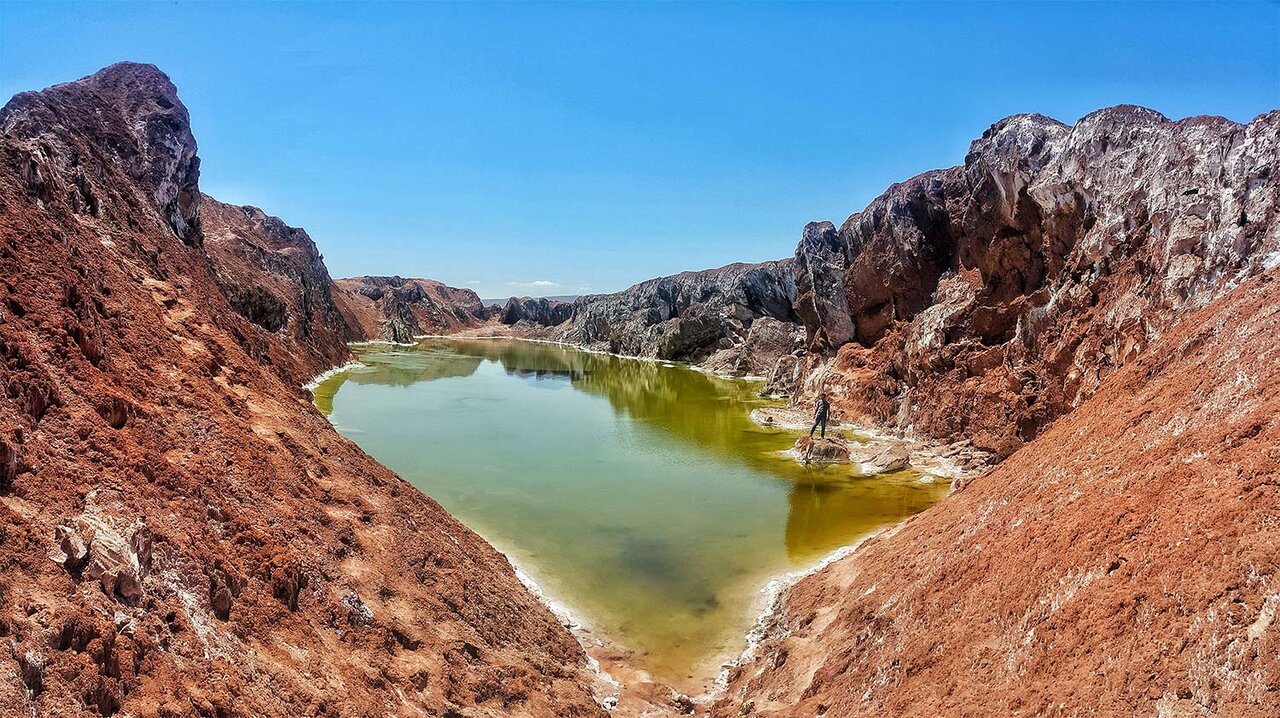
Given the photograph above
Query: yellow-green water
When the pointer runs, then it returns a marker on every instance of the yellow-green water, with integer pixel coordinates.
(639, 495)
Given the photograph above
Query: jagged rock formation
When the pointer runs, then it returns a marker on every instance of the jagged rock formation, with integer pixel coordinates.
(181, 532)
(736, 319)
(1122, 563)
(397, 309)
(146, 135)
(538, 311)
(273, 275)
(984, 301)
(685, 317)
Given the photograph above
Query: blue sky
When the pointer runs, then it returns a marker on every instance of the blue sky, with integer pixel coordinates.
(545, 148)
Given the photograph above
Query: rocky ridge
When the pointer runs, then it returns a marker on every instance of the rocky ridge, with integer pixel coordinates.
(181, 532)
(397, 309)
(1122, 563)
(535, 311)
(984, 301)
(737, 320)
(273, 275)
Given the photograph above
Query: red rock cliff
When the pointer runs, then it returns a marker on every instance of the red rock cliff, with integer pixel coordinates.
(273, 275)
(181, 533)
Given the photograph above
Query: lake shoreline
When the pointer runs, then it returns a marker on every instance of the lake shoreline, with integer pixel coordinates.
(622, 684)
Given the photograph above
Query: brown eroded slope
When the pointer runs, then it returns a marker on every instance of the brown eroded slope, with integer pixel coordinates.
(272, 274)
(181, 533)
(1122, 564)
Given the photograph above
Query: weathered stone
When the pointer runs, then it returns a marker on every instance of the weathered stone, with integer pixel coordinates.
(147, 124)
(112, 561)
(708, 317)
(358, 613)
(986, 300)
(536, 310)
(397, 309)
(882, 459)
(817, 450)
(69, 551)
(273, 276)
(8, 464)
(820, 290)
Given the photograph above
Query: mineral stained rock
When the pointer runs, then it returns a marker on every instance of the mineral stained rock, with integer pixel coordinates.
(1122, 563)
(273, 275)
(180, 530)
(986, 300)
(397, 309)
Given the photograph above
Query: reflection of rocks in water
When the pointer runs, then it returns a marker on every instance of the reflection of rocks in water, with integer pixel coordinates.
(692, 405)
(528, 358)
(695, 406)
(818, 521)
(539, 374)
(402, 368)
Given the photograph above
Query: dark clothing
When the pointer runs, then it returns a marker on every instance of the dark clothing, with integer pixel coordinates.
(820, 417)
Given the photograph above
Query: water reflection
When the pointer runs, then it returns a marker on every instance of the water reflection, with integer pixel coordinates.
(708, 411)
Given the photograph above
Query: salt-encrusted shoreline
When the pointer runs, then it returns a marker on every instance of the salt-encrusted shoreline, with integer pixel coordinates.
(328, 374)
(773, 597)
(957, 462)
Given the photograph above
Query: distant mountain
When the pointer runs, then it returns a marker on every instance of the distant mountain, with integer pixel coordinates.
(503, 301)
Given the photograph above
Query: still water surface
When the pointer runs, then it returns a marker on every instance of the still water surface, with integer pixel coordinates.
(640, 495)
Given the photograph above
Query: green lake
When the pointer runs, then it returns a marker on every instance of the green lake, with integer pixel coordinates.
(637, 494)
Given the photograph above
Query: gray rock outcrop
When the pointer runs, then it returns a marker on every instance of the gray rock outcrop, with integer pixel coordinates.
(985, 300)
(738, 319)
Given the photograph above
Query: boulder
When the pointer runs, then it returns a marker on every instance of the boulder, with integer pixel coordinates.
(881, 459)
(69, 551)
(90, 549)
(112, 561)
(815, 450)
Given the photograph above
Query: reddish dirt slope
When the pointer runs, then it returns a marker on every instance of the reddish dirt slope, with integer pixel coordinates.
(1122, 564)
(181, 533)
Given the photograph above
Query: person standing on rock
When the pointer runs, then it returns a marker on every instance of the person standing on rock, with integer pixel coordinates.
(820, 415)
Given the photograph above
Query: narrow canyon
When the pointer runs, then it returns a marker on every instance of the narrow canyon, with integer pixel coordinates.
(1086, 316)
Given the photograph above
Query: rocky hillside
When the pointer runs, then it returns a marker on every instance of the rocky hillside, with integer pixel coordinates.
(536, 311)
(738, 319)
(396, 309)
(1121, 564)
(273, 275)
(984, 301)
(181, 533)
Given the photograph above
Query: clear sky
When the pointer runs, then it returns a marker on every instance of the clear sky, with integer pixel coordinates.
(547, 148)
